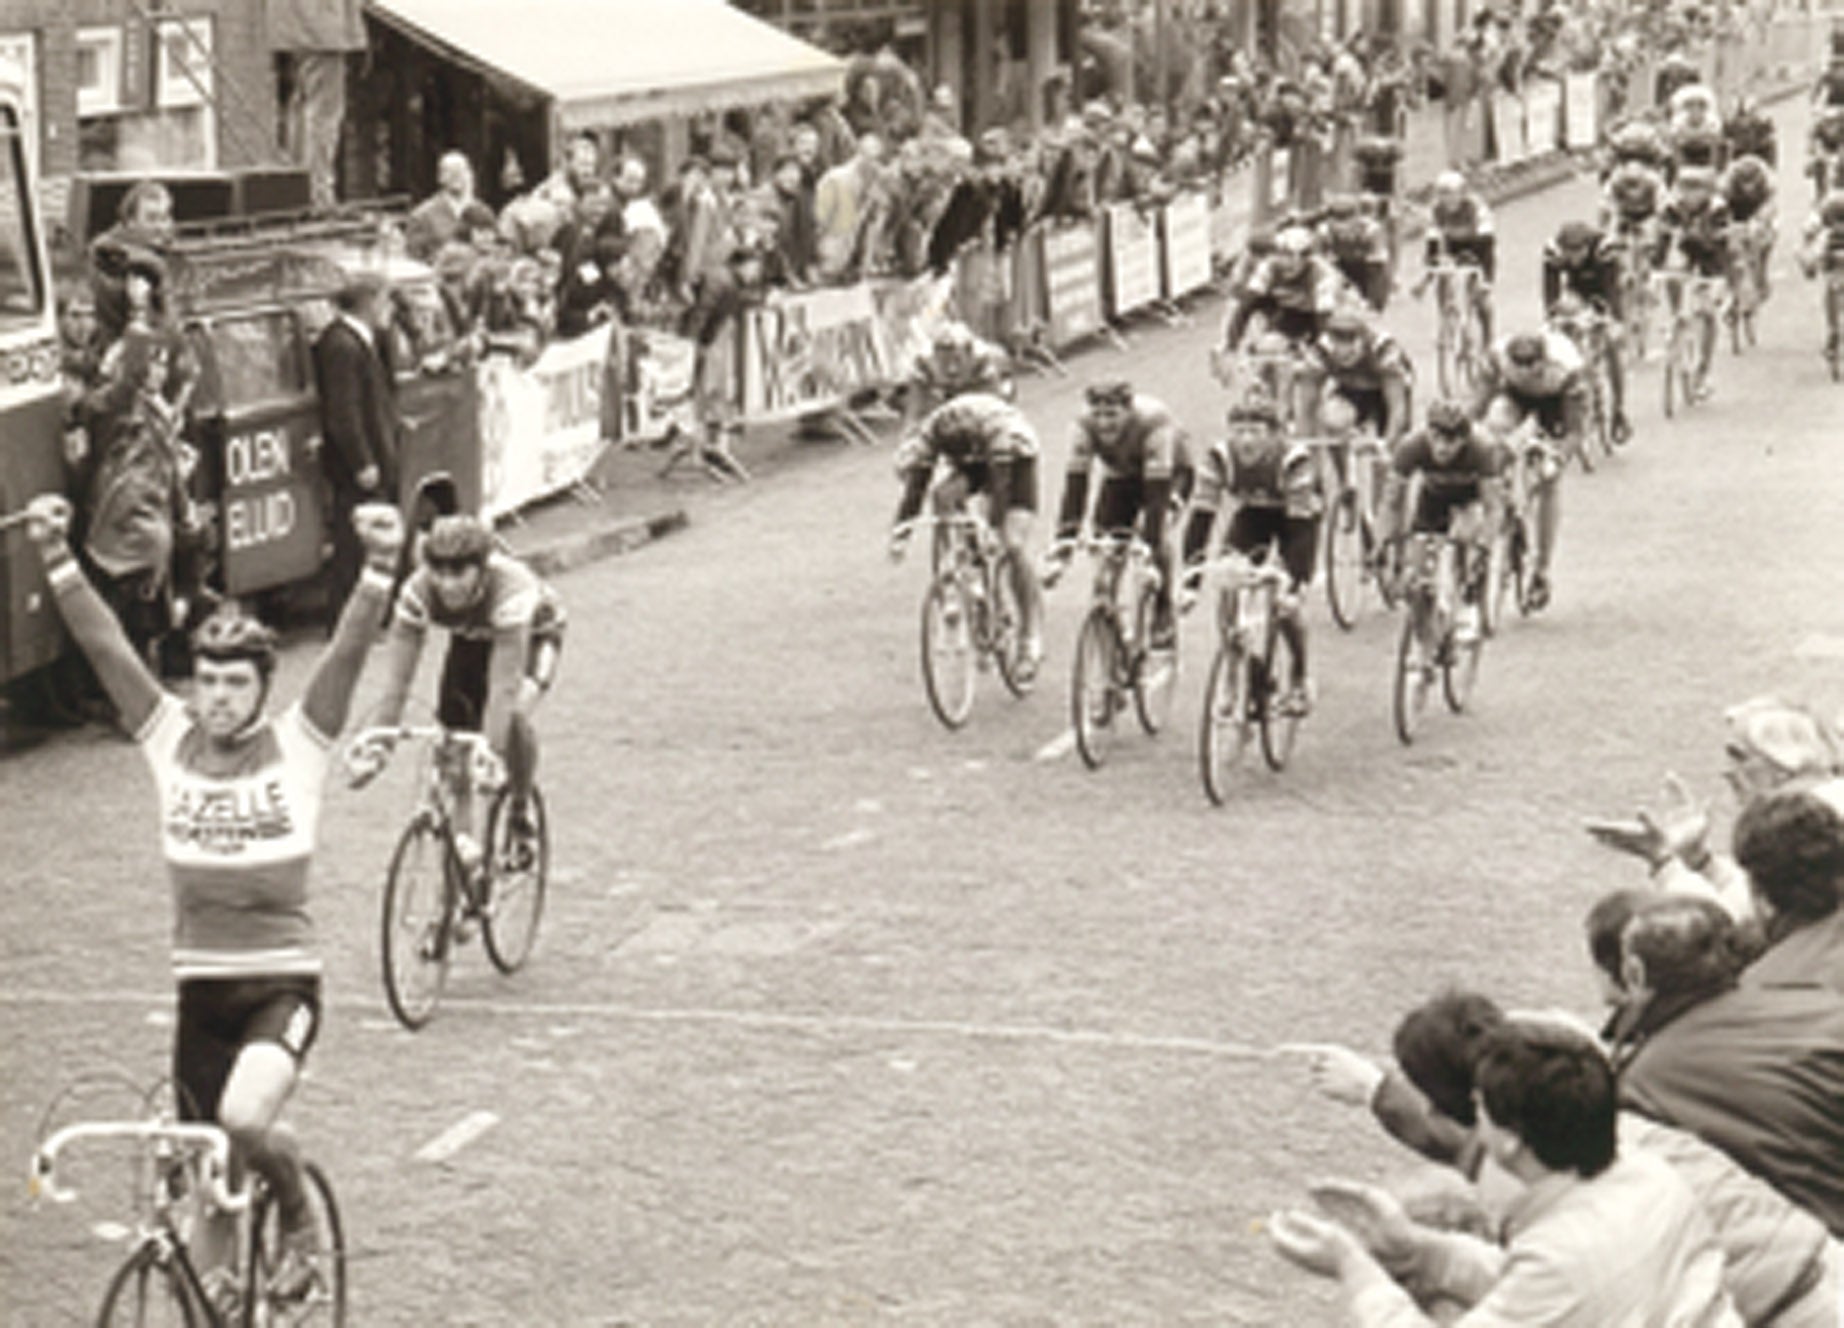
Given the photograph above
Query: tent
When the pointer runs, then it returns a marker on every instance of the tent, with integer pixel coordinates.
(606, 63)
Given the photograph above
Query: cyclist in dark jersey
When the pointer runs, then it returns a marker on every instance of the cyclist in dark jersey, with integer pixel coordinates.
(1460, 493)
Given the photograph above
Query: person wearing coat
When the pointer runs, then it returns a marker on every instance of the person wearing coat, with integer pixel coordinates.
(358, 421)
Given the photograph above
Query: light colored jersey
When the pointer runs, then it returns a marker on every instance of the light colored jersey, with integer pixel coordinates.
(513, 597)
(238, 829)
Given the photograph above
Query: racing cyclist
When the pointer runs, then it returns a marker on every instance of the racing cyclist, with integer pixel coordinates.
(505, 631)
(1750, 132)
(1363, 377)
(1580, 261)
(1460, 494)
(1538, 376)
(990, 448)
(1149, 474)
(1695, 129)
(1693, 239)
(1275, 486)
(1461, 228)
(957, 361)
(1824, 254)
(1293, 291)
(1825, 151)
(240, 801)
(1748, 190)
(1358, 245)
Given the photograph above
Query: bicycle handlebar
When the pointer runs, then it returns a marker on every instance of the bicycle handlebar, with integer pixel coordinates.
(1237, 567)
(478, 749)
(208, 1140)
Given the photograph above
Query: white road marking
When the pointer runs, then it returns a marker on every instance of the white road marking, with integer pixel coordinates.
(757, 1019)
(457, 1136)
(1058, 747)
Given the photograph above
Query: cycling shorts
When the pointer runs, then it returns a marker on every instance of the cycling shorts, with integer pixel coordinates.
(1009, 486)
(219, 1017)
(1253, 528)
(1122, 498)
(1551, 410)
(462, 699)
(1436, 508)
(1371, 405)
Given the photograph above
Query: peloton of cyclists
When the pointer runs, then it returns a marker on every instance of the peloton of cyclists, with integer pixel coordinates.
(1275, 486)
(1462, 229)
(1579, 260)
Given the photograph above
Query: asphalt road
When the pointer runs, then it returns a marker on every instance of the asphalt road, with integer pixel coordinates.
(839, 1018)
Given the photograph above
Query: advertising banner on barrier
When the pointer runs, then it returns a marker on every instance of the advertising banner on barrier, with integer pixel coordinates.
(659, 383)
(1072, 283)
(1581, 97)
(1233, 214)
(1184, 245)
(1133, 260)
(1542, 115)
(541, 426)
(810, 351)
(1508, 126)
(911, 313)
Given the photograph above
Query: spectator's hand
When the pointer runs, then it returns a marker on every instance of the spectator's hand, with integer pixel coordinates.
(1312, 1242)
(1372, 1214)
(1338, 1072)
(380, 529)
(48, 522)
(368, 478)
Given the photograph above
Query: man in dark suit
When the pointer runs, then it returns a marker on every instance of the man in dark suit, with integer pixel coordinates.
(358, 421)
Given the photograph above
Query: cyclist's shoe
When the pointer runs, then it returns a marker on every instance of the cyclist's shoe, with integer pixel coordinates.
(1297, 701)
(1539, 590)
(1030, 657)
(1164, 634)
(224, 1294)
(521, 849)
(297, 1270)
(1621, 430)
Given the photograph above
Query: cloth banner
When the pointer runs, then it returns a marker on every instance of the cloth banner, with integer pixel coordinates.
(1133, 260)
(1233, 214)
(1072, 283)
(1184, 245)
(911, 313)
(1542, 115)
(1508, 127)
(660, 377)
(811, 351)
(541, 425)
(1580, 111)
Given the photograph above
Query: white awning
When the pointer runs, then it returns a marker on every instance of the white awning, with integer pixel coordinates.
(612, 62)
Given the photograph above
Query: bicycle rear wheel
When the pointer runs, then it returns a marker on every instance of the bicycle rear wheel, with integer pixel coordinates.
(1155, 672)
(148, 1291)
(1348, 574)
(1007, 626)
(1094, 694)
(1227, 724)
(1460, 669)
(319, 1299)
(419, 905)
(1278, 729)
(1414, 672)
(949, 655)
(520, 865)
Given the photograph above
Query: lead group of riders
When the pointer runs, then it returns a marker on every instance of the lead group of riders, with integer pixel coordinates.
(1696, 196)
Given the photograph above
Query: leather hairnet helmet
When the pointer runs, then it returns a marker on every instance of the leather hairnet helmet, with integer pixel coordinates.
(230, 634)
(457, 539)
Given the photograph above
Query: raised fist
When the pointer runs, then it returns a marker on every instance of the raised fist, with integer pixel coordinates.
(380, 529)
(48, 521)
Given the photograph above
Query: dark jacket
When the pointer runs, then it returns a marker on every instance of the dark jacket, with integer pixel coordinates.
(358, 409)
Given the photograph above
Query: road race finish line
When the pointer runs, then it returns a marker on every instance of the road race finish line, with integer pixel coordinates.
(457, 1136)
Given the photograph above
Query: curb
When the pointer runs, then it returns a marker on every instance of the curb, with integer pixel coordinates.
(602, 540)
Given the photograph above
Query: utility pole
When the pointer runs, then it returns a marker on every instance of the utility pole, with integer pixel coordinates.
(1162, 17)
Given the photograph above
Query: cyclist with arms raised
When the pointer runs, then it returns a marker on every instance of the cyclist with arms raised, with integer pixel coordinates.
(1460, 495)
(1580, 261)
(239, 822)
(1275, 485)
(505, 631)
(1148, 463)
(991, 449)
(1537, 376)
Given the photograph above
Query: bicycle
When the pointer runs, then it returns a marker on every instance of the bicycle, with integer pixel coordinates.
(1115, 657)
(1833, 275)
(1351, 542)
(430, 892)
(1693, 312)
(970, 616)
(1272, 362)
(1745, 269)
(1249, 672)
(1459, 341)
(183, 1173)
(1432, 639)
(1535, 461)
(1589, 334)
(1635, 290)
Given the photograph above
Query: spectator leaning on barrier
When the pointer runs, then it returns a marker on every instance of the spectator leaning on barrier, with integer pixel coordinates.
(843, 203)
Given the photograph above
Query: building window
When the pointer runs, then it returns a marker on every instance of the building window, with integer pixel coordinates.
(99, 70)
(183, 77)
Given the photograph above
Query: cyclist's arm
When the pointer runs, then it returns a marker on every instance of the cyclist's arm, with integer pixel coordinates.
(403, 649)
(328, 698)
(1395, 409)
(133, 689)
(1237, 322)
(1552, 283)
(1075, 484)
(915, 463)
(505, 671)
(1212, 486)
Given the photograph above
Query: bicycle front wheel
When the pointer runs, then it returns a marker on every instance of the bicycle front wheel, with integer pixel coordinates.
(1460, 669)
(313, 1291)
(519, 859)
(1008, 627)
(1447, 355)
(1674, 361)
(1228, 724)
(1155, 671)
(419, 901)
(949, 654)
(1414, 673)
(1348, 574)
(1094, 694)
(1278, 727)
(148, 1291)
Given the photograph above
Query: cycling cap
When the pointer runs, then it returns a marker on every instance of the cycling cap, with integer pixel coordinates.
(1791, 738)
(1110, 392)
(230, 633)
(457, 539)
(1577, 236)
(1449, 417)
(1256, 407)
(1346, 322)
(1526, 348)
(1634, 138)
